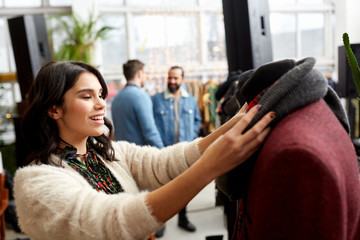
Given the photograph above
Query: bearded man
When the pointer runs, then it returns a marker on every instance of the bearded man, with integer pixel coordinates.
(177, 118)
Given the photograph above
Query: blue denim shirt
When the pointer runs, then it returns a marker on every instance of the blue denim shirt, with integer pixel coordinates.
(164, 113)
(133, 117)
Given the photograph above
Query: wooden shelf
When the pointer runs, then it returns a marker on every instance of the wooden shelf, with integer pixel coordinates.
(8, 77)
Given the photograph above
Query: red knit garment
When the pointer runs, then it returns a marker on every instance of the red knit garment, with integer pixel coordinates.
(305, 182)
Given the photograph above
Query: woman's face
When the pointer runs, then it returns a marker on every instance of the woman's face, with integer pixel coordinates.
(82, 112)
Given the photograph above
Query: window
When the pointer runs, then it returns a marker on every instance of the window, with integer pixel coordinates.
(4, 50)
(303, 28)
(161, 2)
(22, 3)
(18, 7)
(311, 27)
(174, 40)
(58, 35)
(114, 47)
(281, 2)
(189, 33)
(150, 45)
(212, 3)
(60, 2)
(283, 33)
(186, 32)
(215, 37)
(111, 3)
(311, 1)
(9, 90)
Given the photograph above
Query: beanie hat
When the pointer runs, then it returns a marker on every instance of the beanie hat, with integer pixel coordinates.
(264, 77)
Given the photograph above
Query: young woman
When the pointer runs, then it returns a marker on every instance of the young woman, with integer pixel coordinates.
(79, 185)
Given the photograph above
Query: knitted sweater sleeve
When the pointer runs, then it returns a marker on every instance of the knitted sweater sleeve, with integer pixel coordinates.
(151, 167)
(58, 203)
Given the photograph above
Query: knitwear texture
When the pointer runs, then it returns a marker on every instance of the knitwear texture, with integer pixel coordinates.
(299, 86)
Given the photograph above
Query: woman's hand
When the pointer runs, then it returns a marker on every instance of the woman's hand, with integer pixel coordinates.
(233, 148)
(223, 150)
(243, 109)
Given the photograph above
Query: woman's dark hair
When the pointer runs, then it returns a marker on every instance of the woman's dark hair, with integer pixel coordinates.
(40, 131)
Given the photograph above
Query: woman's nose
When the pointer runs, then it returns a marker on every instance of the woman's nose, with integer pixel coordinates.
(100, 103)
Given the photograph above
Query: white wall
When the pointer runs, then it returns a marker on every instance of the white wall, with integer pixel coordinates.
(347, 14)
(347, 20)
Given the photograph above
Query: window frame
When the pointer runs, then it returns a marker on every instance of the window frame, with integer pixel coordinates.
(327, 61)
(205, 68)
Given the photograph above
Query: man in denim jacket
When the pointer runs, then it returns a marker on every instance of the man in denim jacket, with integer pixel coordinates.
(178, 119)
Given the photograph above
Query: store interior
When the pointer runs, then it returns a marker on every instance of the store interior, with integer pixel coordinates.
(210, 39)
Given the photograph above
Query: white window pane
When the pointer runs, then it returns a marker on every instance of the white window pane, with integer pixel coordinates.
(58, 35)
(22, 3)
(60, 2)
(310, 1)
(161, 2)
(215, 32)
(312, 34)
(180, 2)
(217, 3)
(12, 59)
(281, 2)
(4, 66)
(144, 2)
(150, 39)
(283, 33)
(111, 2)
(6, 53)
(114, 46)
(6, 98)
(161, 40)
(183, 39)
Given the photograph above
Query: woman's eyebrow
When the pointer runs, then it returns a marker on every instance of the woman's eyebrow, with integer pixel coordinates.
(88, 90)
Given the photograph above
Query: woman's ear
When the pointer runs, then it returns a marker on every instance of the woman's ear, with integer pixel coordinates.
(54, 112)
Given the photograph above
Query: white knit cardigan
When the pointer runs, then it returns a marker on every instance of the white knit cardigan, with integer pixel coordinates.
(58, 203)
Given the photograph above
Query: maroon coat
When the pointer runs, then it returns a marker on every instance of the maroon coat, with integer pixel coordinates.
(305, 183)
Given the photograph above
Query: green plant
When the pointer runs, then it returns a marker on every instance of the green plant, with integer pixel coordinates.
(80, 38)
(352, 61)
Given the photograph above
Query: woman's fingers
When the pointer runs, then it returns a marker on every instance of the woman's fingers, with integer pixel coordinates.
(260, 125)
(246, 119)
(244, 108)
(234, 147)
(255, 143)
(252, 139)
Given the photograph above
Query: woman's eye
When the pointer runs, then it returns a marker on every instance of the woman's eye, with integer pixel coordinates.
(102, 97)
(86, 97)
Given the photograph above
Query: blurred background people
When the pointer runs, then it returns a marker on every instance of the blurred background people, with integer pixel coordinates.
(131, 109)
(178, 119)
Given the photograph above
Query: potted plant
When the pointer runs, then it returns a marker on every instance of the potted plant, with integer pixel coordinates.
(80, 38)
(353, 63)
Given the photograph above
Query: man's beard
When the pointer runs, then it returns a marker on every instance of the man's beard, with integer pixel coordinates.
(173, 87)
